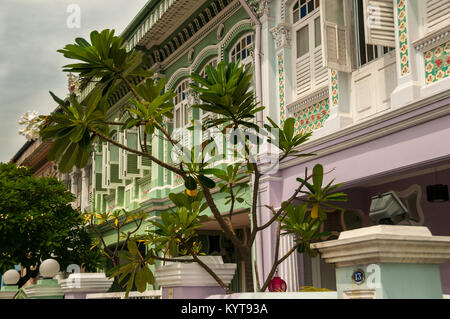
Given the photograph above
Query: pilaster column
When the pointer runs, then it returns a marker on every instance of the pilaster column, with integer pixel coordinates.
(74, 175)
(282, 60)
(289, 268)
(85, 187)
(268, 72)
(407, 25)
(270, 194)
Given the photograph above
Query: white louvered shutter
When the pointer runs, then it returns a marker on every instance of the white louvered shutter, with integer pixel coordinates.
(379, 27)
(437, 14)
(303, 74)
(336, 34)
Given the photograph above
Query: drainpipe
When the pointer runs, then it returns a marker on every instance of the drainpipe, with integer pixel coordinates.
(259, 115)
(257, 23)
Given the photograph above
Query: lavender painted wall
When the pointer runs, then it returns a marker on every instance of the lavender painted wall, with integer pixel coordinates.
(404, 151)
(383, 156)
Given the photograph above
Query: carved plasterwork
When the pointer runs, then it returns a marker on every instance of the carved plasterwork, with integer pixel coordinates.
(282, 35)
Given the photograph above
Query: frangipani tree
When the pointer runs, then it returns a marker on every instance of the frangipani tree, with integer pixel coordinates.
(227, 94)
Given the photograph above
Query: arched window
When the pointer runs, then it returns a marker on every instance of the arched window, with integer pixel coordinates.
(302, 8)
(182, 117)
(181, 105)
(212, 63)
(241, 50)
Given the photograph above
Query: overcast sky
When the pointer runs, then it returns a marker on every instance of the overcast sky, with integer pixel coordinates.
(30, 33)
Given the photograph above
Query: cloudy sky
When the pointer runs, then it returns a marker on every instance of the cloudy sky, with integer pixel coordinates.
(30, 33)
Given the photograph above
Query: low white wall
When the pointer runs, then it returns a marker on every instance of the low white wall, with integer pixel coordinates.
(278, 295)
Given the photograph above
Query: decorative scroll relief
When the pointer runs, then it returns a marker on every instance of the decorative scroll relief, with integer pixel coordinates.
(282, 36)
(403, 37)
(437, 63)
(261, 7)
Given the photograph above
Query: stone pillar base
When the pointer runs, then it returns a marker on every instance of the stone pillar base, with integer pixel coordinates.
(191, 281)
(193, 292)
(387, 262)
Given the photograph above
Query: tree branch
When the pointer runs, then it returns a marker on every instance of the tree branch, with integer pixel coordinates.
(226, 228)
(154, 159)
(275, 266)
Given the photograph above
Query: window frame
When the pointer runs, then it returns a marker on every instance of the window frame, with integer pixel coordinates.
(309, 21)
(232, 57)
(181, 103)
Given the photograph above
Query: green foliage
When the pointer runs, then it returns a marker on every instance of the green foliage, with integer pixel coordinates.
(305, 223)
(155, 104)
(232, 183)
(227, 92)
(70, 130)
(173, 234)
(285, 139)
(105, 58)
(135, 269)
(322, 197)
(74, 125)
(37, 222)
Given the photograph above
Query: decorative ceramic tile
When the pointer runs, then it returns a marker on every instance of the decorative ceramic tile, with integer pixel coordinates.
(437, 63)
(178, 180)
(403, 37)
(334, 87)
(281, 88)
(312, 117)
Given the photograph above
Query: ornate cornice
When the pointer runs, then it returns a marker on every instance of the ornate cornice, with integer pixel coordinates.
(432, 40)
(309, 100)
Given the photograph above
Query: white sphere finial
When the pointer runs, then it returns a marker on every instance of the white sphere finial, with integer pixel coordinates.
(11, 277)
(49, 268)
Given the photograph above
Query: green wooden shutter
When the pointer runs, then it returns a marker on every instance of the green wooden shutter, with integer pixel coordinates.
(130, 160)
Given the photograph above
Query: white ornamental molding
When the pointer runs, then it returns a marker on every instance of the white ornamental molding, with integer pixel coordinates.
(263, 8)
(282, 36)
(432, 40)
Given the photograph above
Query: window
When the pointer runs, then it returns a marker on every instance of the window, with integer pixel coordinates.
(302, 41)
(365, 53)
(302, 8)
(181, 91)
(437, 14)
(212, 63)
(182, 117)
(349, 41)
(310, 74)
(204, 116)
(181, 107)
(242, 48)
